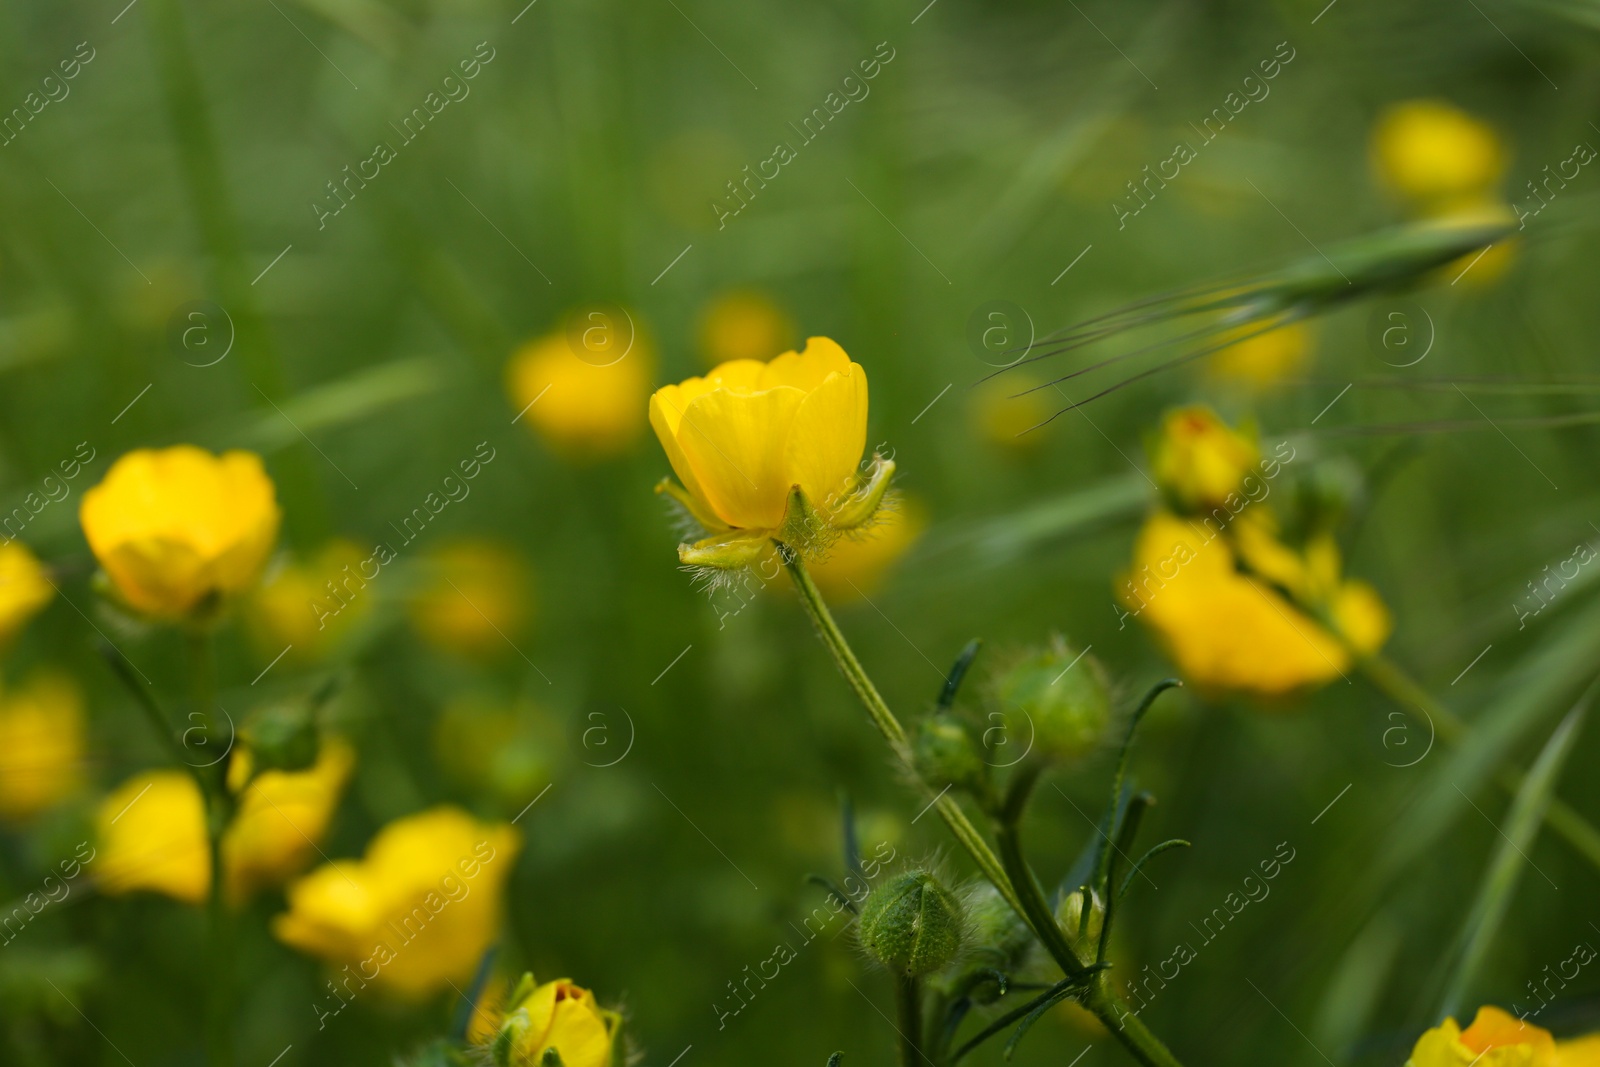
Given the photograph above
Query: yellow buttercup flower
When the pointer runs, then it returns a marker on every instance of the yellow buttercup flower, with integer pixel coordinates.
(473, 598)
(582, 388)
(283, 611)
(178, 529)
(152, 834)
(417, 912)
(281, 816)
(1199, 460)
(767, 450)
(1495, 1039)
(24, 589)
(1262, 359)
(41, 745)
(1229, 631)
(743, 325)
(1006, 408)
(1431, 150)
(856, 565)
(1580, 1051)
(556, 1015)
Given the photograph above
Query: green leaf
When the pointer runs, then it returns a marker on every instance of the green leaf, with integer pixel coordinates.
(1500, 880)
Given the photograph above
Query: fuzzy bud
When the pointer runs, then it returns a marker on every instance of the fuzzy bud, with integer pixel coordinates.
(1066, 697)
(946, 755)
(912, 924)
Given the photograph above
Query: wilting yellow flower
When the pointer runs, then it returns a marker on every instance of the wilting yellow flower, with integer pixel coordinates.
(1495, 1039)
(1263, 359)
(582, 388)
(283, 611)
(41, 745)
(1004, 409)
(856, 565)
(1199, 460)
(1429, 150)
(1229, 631)
(24, 588)
(741, 438)
(557, 1015)
(177, 529)
(743, 325)
(508, 750)
(473, 598)
(281, 816)
(152, 833)
(417, 912)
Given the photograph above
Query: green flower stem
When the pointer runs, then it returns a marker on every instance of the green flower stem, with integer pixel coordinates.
(884, 719)
(219, 813)
(1400, 687)
(1008, 831)
(908, 1009)
(1098, 997)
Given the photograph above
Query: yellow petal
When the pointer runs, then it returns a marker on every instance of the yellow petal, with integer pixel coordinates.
(807, 369)
(734, 443)
(828, 436)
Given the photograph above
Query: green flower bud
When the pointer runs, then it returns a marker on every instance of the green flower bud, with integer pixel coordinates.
(912, 924)
(282, 737)
(946, 755)
(1064, 695)
(1082, 931)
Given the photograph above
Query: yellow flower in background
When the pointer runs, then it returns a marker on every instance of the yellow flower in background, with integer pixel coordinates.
(41, 745)
(1228, 631)
(281, 816)
(1495, 1039)
(282, 611)
(178, 529)
(557, 1015)
(1477, 270)
(1004, 410)
(506, 750)
(1265, 358)
(1579, 1052)
(152, 834)
(473, 598)
(416, 912)
(24, 589)
(857, 565)
(747, 433)
(582, 388)
(743, 325)
(1428, 151)
(1199, 460)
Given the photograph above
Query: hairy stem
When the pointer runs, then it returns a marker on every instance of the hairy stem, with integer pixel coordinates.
(908, 1010)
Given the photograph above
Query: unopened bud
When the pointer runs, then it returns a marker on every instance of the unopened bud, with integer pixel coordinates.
(1083, 931)
(1065, 696)
(946, 754)
(912, 924)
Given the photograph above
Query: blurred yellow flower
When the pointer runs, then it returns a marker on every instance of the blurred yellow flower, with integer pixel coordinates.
(1004, 410)
(506, 750)
(41, 745)
(417, 912)
(743, 325)
(1265, 358)
(1431, 150)
(747, 433)
(1199, 460)
(24, 588)
(1580, 1051)
(1495, 1039)
(281, 816)
(152, 833)
(557, 1015)
(283, 610)
(473, 599)
(1228, 631)
(178, 529)
(1477, 270)
(583, 398)
(856, 565)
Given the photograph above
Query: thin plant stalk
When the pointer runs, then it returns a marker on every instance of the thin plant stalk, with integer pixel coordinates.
(219, 813)
(908, 1009)
(1098, 996)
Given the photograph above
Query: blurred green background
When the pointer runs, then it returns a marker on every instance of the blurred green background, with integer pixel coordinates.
(984, 159)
